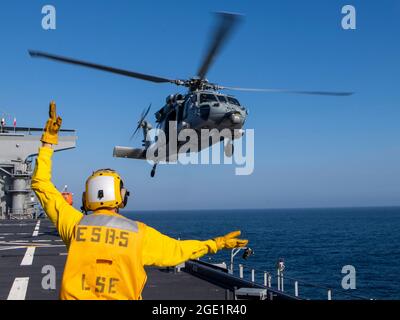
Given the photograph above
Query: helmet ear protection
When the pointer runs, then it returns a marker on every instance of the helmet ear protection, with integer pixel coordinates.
(83, 208)
(104, 189)
(124, 195)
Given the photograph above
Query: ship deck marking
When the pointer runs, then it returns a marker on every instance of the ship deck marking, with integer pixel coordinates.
(36, 231)
(18, 289)
(28, 257)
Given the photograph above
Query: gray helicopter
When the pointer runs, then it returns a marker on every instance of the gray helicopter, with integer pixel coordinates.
(203, 106)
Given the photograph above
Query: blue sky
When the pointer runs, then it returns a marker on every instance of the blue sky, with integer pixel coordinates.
(310, 151)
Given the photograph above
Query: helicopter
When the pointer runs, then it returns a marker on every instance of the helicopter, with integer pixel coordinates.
(203, 106)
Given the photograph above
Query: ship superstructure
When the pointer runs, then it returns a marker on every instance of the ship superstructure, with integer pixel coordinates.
(18, 146)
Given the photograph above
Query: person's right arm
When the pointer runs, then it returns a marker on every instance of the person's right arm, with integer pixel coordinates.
(64, 216)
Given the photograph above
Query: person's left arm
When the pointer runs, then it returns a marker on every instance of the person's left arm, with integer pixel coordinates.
(163, 251)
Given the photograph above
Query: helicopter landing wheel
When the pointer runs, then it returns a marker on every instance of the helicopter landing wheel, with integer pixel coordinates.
(229, 149)
(153, 171)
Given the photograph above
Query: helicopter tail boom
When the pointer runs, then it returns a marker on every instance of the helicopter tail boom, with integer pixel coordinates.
(130, 153)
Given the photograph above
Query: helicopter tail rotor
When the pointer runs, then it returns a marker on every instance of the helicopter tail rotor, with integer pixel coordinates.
(142, 123)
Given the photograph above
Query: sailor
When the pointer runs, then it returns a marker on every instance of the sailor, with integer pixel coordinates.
(165, 110)
(106, 251)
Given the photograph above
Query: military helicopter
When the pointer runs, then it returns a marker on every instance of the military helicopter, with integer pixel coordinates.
(203, 106)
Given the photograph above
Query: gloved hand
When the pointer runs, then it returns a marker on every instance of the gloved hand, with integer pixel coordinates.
(52, 127)
(230, 241)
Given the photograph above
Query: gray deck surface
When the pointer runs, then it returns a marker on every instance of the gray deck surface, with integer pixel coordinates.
(16, 236)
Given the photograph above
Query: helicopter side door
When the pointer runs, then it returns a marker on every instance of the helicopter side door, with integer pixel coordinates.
(191, 111)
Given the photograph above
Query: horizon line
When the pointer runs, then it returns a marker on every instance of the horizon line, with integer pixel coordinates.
(268, 209)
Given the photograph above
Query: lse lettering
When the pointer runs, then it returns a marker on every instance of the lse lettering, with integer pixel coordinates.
(103, 284)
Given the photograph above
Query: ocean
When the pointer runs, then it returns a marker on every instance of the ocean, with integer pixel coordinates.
(314, 243)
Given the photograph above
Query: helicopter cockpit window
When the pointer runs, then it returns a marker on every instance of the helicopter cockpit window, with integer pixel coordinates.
(233, 101)
(222, 99)
(207, 98)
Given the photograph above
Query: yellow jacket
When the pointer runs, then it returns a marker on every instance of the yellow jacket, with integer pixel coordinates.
(150, 248)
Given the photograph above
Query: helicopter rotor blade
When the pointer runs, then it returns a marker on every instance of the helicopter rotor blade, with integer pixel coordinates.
(147, 112)
(227, 22)
(134, 133)
(143, 116)
(132, 74)
(319, 93)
